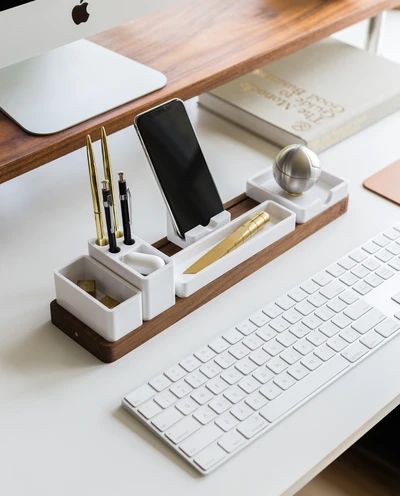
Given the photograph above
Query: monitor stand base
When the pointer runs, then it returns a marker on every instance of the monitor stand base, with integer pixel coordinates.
(71, 84)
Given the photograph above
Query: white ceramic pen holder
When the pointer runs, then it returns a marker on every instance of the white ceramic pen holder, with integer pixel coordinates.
(197, 232)
(111, 324)
(328, 191)
(158, 287)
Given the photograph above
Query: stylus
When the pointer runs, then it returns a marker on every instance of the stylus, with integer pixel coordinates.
(108, 204)
(126, 209)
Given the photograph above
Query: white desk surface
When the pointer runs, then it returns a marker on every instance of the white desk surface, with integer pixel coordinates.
(62, 430)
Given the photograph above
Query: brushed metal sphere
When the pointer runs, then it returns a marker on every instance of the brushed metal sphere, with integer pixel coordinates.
(296, 169)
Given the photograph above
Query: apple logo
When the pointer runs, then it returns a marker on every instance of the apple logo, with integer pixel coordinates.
(80, 13)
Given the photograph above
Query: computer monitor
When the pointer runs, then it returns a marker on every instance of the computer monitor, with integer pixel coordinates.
(47, 83)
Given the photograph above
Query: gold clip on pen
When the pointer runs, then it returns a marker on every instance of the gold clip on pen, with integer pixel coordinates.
(237, 238)
(101, 240)
(108, 177)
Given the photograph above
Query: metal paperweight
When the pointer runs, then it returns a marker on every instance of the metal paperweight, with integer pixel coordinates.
(296, 169)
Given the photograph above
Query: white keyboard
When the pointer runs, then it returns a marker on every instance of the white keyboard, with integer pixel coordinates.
(217, 400)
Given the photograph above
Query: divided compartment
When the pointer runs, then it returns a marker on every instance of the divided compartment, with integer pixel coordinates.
(282, 222)
(328, 191)
(197, 232)
(111, 324)
(158, 287)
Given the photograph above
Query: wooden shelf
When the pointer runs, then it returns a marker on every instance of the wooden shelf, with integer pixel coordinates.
(199, 46)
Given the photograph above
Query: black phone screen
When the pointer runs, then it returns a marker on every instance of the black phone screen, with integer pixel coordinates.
(179, 165)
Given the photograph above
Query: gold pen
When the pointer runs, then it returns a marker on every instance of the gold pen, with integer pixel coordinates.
(237, 238)
(101, 240)
(108, 177)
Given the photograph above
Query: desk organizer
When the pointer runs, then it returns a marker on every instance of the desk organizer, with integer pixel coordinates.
(326, 192)
(279, 236)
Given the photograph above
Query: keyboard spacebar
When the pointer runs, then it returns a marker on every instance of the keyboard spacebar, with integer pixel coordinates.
(304, 388)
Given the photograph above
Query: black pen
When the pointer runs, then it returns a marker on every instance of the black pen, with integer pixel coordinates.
(108, 204)
(125, 198)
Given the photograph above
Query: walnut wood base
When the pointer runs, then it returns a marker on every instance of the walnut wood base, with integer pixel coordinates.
(109, 352)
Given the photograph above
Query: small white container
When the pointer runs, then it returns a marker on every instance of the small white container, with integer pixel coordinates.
(111, 324)
(158, 288)
(329, 189)
(282, 222)
(197, 232)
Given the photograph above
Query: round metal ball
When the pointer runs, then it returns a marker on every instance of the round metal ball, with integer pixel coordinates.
(296, 169)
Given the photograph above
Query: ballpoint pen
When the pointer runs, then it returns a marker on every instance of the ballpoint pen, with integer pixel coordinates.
(101, 240)
(108, 205)
(237, 238)
(108, 177)
(126, 209)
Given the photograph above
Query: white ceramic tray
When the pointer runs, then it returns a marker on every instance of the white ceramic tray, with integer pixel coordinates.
(282, 222)
(111, 324)
(158, 288)
(329, 190)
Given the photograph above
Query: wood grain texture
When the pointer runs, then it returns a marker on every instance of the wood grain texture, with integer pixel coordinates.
(109, 352)
(198, 45)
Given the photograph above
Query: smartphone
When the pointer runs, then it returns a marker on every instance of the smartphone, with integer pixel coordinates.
(178, 163)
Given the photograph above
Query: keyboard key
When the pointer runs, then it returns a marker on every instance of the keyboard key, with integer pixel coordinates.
(241, 411)
(335, 270)
(210, 369)
(180, 388)
(202, 395)
(395, 263)
(187, 405)
(219, 345)
(381, 240)
(232, 336)
(270, 391)
(150, 409)
(273, 347)
(368, 321)
(220, 405)
(349, 297)
(182, 429)
(272, 310)
(292, 316)
(290, 355)
(256, 400)
(349, 334)
(347, 263)
(360, 271)
(384, 256)
(259, 357)
(190, 363)
(374, 280)
(371, 339)
(305, 307)
(303, 346)
(337, 304)
(354, 352)
(358, 255)
(332, 289)
(196, 379)
(231, 441)
(387, 328)
(253, 342)
(165, 399)
(232, 375)
(385, 272)
(252, 426)
(337, 343)
(205, 354)
(324, 313)
(275, 409)
(166, 419)
(200, 439)
(225, 360)
(297, 294)
(209, 457)
(322, 278)
(140, 395)
(312, 321)
(394, 248)
(317, 300)
(372, 263)
(324, 352)
(300, 330)
(341, 320)
(309, 286)
(263, 375)
(311, 361)
(329, 329)
(266, 333)
(234, 394)
(298, 371)
(175, 373)
(277, 365)
(216, 385)
(349, 279)
(357, 310)
(246, 327)
(371, 247)
(286, 338)
(285, 302)
(284, 380)
(259, 319)
(248, 384)
(391, 233)
(204, 415)
(226, 421)
(316, 338)
(279, 324)
(239, 351)
(246, 366)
